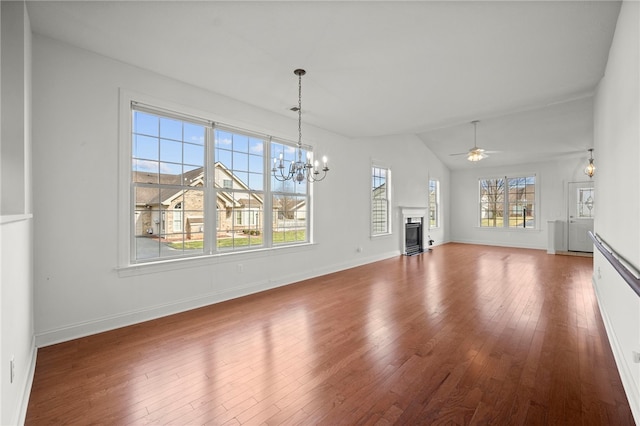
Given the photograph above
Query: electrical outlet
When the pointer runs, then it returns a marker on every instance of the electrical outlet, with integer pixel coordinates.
(636, 357)
(12, 369)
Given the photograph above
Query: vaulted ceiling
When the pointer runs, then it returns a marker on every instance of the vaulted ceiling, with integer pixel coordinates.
(526, 69)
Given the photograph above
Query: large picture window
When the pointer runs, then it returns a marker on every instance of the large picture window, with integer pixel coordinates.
(380, 200)
(188, 172)
(508, 202)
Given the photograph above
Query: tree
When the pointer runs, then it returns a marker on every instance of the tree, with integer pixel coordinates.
(492, 200)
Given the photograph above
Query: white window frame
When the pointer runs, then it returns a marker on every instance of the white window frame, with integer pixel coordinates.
(506, 204)
(388, 194)
(437, 204)
(127, 264)
(177, 217)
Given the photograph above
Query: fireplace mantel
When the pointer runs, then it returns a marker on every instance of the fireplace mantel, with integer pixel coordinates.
(413, 212)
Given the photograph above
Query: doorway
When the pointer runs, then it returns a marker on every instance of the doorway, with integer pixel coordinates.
(581, 214)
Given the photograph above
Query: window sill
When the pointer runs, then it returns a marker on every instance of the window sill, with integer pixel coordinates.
(487, 228)
(203, 260)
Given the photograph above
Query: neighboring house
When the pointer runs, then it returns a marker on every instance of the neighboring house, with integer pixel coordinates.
(173, 212)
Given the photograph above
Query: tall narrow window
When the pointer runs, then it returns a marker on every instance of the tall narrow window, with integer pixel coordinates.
(290, 202)
(522, 194)
(239, 175)
(492, 203)
(508, 202)
(166, 176)
(380, 200)
(434, 203)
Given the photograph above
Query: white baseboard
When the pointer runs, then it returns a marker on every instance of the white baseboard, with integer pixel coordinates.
(628, 383)
(500, 244)
(74, 331)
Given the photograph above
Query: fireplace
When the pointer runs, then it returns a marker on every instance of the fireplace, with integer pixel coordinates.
(412, 231)
(413, 236)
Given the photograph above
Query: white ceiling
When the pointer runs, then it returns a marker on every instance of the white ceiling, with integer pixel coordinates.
(526, 69)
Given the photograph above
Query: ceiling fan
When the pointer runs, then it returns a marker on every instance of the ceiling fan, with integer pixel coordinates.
(475, 154)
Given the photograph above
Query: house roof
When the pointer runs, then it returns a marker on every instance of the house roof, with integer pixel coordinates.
(154, 196)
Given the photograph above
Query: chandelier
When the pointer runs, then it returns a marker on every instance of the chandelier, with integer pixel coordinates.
(590, 170)
(299, 170)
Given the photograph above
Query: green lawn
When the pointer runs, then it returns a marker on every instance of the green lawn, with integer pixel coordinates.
(243, 241)
(499, 222)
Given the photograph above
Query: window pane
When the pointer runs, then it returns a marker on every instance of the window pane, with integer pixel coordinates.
(379, 201)
(170, 174)
(145, 171)
(434, 201)
(521, 202)
(170, 129)
(290, 219)
(194, 133)
(146, 124)
(585, 203)
(240, 143)
(145, 147)
(491, 202)
(170, 151)
(223, 156)
(240, 219)
(168, 196)
(193, 154)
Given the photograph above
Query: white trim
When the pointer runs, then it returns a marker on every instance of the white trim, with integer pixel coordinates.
(437, 202)
(500, 244)
(77, 330)
(626, 376)
(388, 183)
(506, 177)
(126, 227)
(411, 212)
(23, 404)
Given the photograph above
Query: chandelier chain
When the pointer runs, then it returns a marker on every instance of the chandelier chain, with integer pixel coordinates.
(300, 109)
(299, 170)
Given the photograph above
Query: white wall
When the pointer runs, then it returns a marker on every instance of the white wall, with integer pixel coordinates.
(78, 291)
(617, 150)
(412, 164)
(552, 179)
(16, 239)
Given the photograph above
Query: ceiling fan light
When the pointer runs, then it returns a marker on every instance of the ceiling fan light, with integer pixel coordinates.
(476, 155)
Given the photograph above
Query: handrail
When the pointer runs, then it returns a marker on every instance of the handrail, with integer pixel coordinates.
(616, 261)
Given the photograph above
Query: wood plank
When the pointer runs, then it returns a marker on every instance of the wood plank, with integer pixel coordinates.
(463, 334)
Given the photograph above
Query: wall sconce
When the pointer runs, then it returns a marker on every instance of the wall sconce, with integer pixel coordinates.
(591, 168)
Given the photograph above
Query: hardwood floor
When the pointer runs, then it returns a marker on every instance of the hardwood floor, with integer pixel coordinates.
(460, 335)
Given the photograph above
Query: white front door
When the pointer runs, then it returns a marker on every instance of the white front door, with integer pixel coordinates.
(581, 213)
